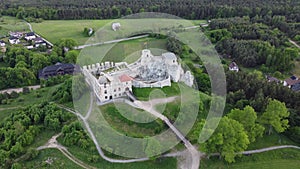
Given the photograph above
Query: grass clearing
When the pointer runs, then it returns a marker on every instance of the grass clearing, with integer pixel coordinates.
(145, 93)
(121, 123)
(53, 30)
(35, 96)
(8, 23)
(58, 160)
(296, 70)
(270, 140)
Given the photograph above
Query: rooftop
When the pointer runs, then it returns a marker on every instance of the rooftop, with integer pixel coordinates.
(30, 34)
(125, 78)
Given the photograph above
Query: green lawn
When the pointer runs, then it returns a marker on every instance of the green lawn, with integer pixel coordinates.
(122, 117)
(8, 23)
(5, 112)
(167, 91)
(55, 30)
(271, 140)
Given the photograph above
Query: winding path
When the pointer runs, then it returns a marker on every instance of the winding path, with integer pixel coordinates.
(29, 25)
(52, 143)
(109, 42)
(294, 43)
(19, 90)
(248, 152)
(269, 149)
(149, 106)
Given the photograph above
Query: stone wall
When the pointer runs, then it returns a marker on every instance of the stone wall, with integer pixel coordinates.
(162, 83)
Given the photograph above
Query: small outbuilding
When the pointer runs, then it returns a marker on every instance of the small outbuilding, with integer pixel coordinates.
(2, 43)
(115, 26)
(233, 67)
(14, 40)
(30, 36)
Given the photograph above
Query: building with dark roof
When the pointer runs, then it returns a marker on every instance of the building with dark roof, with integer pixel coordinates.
(13, 40)
(290, 82)
(272, 79)
(2, 43)
(233, 67)
(30, 36)
(296, 87)
(58, 69)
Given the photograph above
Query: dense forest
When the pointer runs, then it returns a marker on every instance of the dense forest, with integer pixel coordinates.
(104, 9)
(19, 130)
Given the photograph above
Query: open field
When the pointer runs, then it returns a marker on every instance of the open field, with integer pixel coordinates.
(53, 30)
(8, 23)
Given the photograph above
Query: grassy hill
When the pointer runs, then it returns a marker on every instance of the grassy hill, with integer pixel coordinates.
(53, 30)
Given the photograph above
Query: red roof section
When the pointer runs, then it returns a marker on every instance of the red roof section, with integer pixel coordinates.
(125, 78)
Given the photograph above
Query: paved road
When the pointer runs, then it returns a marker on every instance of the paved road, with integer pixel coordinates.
(263, 150)
(29, 25)
(269, 149)
(294, 43)
(124, 39)
(149, 107)
(109, 42)
(19, 90)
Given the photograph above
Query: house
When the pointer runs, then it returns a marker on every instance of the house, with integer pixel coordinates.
(91, 31)
(233, 67)
(115, 26)
(58, 69)
(30, 36)
(2, 43)
(30, 47)
(290, 82)
(272, 79)
(38, 41)
(14, 40)
(16, 34)
(296, 87)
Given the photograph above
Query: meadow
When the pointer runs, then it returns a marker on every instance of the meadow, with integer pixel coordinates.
(53, 30)
(8, 23)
